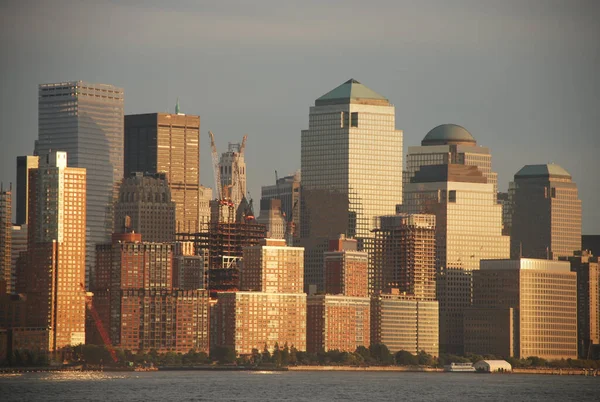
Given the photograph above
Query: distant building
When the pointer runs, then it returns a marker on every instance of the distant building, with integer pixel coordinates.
(588, 304)
(232, 167)
(287, 190)
(402, 322)
(146, 199)
(170, 144)
(24, 164)
(468, 229)
(6, 284)
(547, 213)
(449, 144)
(351, 163)
(405, 255)
(507, 201)
(190, 271)
(18, 250)
(272, 217)
(135, 297)
(55, 270)
(346, 269)
(270, 308)
(337, 322)
(86, 121)
(521, 308)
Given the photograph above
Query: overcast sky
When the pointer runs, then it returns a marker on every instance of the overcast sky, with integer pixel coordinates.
(520, 75)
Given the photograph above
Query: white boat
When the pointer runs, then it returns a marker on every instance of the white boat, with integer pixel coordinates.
(459, 368)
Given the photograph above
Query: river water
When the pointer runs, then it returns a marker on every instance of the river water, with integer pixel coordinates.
(295, 386)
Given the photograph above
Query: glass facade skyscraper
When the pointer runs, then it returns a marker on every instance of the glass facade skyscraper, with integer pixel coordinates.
(468, 229)
(86, 121)
(351, 163)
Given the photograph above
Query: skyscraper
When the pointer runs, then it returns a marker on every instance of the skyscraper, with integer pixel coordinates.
(272, 217)
(345, 269)
(521, 308)
(24, 164)
(233, 173)
(547, 213)
(146, 199)
(351, 163)
(468, 229)
(446, 144)
(86, 121)
(286, 189)
(5, 241)
(405, 255)
(56, 251)
(170, 144)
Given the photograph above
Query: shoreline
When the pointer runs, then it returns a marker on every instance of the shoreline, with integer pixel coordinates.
(391, 369)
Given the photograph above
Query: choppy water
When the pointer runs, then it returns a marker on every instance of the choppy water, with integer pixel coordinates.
(295, 386)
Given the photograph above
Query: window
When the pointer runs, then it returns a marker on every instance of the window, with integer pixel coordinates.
(452, 196)
(354, 119)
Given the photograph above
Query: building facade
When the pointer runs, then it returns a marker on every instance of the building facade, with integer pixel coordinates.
(522, 308)
(405, 255)
(232, 167)
(55, 270)
(337, 322)
(588, 304)
(146, 199)
(170, 144)
(450, 144)
(287, 190)
(345, 269)
(272, 217)
(351, 163)
(468, 229)
(24, 164)
(402, 322)
(6, 284)
(86, 121)
(547, 213)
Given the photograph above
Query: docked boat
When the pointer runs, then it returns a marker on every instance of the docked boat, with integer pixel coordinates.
(459, 368)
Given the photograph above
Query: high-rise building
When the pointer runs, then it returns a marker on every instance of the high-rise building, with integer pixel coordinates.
(351, 163)
(86, 121)
(401, 322)
(24, 163)
(5, 241)
(547, 213)
(137, 301)
(450, 144)
(271, 307)
(345, 269)
(18, 250)
(272, 217)
(468, 229)
(506, 199)
(232, 169)
(146, 200)
(522, 308)
(405, 255)
(588, 304)
(337, 322)
(286, 189)
(56, 251)
(170, 144)
(272, 267)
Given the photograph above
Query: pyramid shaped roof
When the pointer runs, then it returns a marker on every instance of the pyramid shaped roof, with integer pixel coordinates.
(352, 91)
(547, 170)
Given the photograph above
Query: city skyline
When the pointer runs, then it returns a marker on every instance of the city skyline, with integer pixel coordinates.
(521, 78)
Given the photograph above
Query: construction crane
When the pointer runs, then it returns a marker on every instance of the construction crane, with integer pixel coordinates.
(215, 162)
(99, 325)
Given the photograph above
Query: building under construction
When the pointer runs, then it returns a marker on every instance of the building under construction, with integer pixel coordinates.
(404, 255)
(225, 242)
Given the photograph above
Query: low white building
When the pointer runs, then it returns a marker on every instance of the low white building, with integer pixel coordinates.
(493, 366)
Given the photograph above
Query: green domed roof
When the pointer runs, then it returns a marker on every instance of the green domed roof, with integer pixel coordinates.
(448, 134)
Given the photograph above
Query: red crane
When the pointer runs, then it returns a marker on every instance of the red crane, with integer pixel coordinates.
(99, 325)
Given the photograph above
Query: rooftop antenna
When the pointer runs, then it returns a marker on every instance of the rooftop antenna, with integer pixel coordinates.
(177, 109)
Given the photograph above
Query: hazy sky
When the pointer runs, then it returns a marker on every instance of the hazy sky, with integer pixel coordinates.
(521, 75)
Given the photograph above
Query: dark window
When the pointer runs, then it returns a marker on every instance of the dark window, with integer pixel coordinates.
(354, 119)
(452, 196)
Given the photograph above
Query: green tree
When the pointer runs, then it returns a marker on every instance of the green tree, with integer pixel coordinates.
(364, 353)
(405, 358)
(293, 359)
(285, 355)
(276, 358)
(223, 354)
(381, 354)
(425, 359)
(256, 358)
(266, 355)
